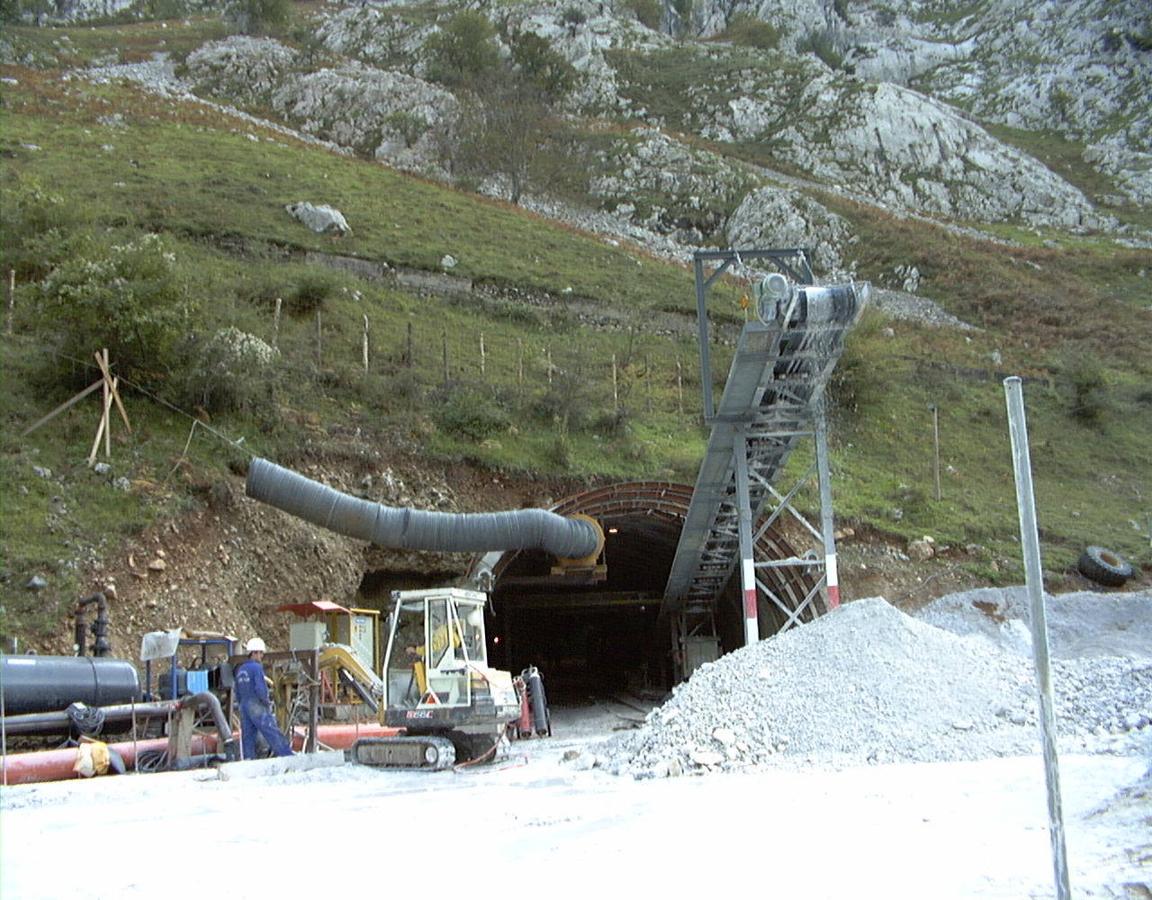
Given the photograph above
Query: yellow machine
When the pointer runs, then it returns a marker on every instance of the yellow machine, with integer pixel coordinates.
(435, 686)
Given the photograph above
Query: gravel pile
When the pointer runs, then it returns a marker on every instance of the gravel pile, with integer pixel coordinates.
(869, 683)
(1079, 624)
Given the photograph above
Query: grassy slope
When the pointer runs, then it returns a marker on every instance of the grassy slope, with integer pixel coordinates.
(219, 195)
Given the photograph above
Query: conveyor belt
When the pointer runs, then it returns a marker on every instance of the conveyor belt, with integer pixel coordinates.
(773, 395)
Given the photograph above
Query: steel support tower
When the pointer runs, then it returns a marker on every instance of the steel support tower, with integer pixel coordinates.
(773, 400)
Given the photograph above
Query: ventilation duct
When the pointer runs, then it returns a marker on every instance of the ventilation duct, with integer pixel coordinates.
(411, 529)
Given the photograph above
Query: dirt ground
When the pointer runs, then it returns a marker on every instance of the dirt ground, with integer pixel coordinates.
(225, 567)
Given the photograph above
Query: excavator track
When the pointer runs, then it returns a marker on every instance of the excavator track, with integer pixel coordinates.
(408, 752)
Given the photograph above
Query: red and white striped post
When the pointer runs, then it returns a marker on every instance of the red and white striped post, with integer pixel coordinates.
(827, 525)
(747, 560)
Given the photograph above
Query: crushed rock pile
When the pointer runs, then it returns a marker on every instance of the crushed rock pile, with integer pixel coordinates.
(1080, 624)
(869, 683)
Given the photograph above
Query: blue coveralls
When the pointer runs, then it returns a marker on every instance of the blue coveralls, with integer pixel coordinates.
(256, 711)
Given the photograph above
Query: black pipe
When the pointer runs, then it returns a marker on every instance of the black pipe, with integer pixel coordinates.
(34, 684)
(101, 646)
(59, 722)
(210, 700)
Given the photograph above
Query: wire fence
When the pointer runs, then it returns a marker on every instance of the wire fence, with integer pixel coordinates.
(425, 362)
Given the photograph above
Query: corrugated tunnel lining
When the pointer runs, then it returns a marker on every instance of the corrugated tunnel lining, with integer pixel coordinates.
(549, 621)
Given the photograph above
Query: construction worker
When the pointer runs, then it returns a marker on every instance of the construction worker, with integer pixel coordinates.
(473, 631)
(445, 635)
(255, 704)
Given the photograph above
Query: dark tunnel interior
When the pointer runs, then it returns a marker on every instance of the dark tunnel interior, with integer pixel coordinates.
(590, 638)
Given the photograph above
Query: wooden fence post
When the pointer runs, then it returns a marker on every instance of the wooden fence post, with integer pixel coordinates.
(365, 343)
(615, 386)
(444, 342)
(679, 387)
(936, 449)
(648, 382)
(483, 356)
(11, 313)
(276, 324)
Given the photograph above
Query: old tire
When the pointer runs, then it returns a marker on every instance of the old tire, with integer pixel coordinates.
(1104, 567)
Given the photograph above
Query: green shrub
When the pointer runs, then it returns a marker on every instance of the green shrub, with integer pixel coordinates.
(823, 45)
(746, 30)
(469, 413)
(1088, 385)
(616, 423)
(36, 229)
(647, 12)
(18, 10)
(570, 399)
(310, 293)
(464, 51)
(408, 125)
(535, 59)
(683, 10)
(260, 16)
(559, 452)
(130, 298)
(230, 371)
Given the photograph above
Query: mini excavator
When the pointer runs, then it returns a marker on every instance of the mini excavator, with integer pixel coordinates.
(434, 688)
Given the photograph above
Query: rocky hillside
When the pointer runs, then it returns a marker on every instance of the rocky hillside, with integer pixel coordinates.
(987, 165)
(880, 102)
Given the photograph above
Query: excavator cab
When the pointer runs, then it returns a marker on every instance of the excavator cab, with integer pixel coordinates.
(436, 645)
(436, 675)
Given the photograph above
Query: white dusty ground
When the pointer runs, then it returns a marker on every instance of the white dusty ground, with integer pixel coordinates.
(797, 827)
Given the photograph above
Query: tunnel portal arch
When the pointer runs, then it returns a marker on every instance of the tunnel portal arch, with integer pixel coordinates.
(592, 635)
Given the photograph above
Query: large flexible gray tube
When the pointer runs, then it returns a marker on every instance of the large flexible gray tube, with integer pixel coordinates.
(412, 529)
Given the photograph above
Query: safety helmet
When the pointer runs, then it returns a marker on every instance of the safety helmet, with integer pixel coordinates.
(256, 645)
(476, 617)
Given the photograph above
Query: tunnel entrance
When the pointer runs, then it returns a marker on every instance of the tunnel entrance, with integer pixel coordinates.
(596, 636)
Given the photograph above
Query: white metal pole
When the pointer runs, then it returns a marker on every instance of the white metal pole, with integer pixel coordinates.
(747, 560)
(3, 725)
(1030, 543)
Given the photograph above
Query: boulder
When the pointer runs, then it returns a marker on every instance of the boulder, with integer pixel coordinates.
(243, 69)
(322, 219)
(782, 217)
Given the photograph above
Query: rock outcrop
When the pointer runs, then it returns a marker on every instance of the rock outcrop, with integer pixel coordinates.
(670, 187)
(241, 69)
(779, 217)
(389, 115)
(877, 102)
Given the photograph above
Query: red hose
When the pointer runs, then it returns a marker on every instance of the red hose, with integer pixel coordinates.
(56, 765)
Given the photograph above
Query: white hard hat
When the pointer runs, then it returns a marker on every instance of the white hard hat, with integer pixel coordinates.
(476, 617)
(255, 645)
